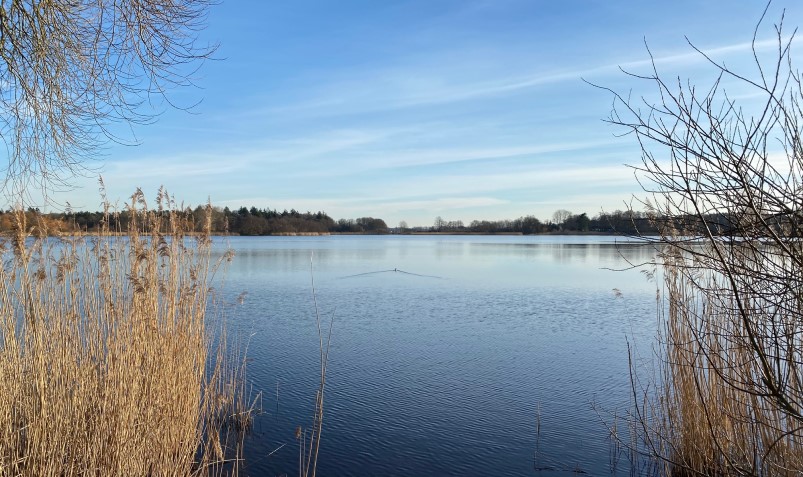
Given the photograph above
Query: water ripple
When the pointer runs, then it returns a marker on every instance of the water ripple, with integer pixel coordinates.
(440, 377)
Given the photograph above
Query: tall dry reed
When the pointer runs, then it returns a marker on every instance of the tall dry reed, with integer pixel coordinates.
(309, 440)
(108, 362)
(709, 411)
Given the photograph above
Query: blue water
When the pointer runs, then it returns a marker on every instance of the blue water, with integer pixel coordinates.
(450, 355)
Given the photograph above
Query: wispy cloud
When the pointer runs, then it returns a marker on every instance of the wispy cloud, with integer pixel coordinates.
(424, 85)
(368, 160)
(350, 207)
(533, 179)
(173, 166)
(442, 204)
(411, 190)
(221, 160)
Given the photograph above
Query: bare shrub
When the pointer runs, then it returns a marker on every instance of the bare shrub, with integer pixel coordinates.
(725, 186)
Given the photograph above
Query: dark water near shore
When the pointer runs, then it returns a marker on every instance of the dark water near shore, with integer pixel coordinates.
(450, 368)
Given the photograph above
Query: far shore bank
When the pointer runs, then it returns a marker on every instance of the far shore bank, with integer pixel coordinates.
(315, 234)
(322, 234)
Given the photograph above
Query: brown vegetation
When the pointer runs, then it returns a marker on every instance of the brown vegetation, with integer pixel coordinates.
(716, 412)
(109, 364)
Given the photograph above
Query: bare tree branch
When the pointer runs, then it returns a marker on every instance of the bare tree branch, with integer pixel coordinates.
(71, 71)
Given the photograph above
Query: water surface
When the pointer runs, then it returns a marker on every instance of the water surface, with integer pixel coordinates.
(450, 355)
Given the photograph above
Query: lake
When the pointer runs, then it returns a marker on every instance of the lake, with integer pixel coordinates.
(450, 355)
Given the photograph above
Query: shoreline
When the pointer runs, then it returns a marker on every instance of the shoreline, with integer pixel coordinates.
(324, 234)
(316, 234)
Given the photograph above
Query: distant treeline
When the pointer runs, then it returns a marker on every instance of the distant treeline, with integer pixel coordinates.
(254, 221)
(242, 221)
(618, 222)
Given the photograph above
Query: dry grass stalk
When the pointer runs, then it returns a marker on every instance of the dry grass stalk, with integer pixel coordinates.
(310, 440)
(106, 358)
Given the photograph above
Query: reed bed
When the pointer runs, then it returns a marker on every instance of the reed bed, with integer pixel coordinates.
(109, 364)
(715, 408)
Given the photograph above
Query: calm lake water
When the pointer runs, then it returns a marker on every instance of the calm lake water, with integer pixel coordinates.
(448, 365)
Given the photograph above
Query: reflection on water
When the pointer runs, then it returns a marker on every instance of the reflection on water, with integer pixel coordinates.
(437, 376)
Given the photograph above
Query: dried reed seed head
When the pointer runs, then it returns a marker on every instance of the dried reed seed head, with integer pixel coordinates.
(163, 249)
(138, 199)
(137, 284)
(142, 255)
(19, 233)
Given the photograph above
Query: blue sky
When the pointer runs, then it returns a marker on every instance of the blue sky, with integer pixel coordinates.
(408, 110)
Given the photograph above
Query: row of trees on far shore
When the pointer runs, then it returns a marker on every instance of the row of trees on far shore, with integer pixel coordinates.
(563, 221)
(243, 221)
(254, 221)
